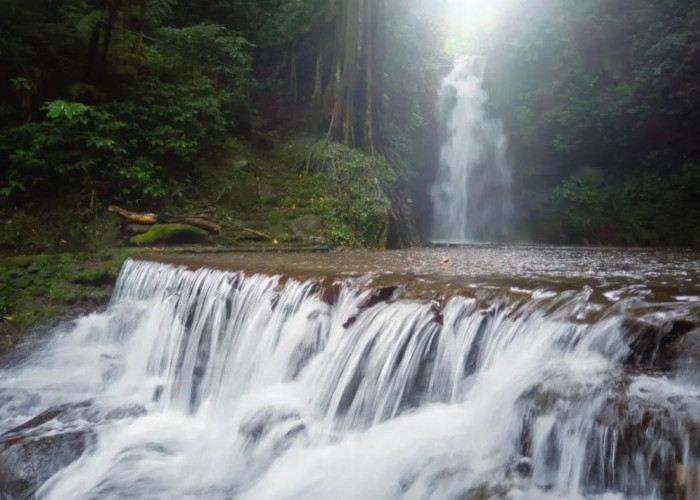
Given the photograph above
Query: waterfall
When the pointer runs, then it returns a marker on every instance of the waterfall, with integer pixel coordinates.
(213, 384)
(471, 195)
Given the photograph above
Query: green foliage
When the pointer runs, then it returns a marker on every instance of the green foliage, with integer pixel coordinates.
(354, 208)
(176, 108)
(604, 84)
(646, 209)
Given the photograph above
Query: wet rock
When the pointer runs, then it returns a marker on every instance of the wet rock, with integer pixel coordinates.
(376, 296)
(279, 427)
(684, 353)
(35, 450)
(122, 412)
(329, 292)
(486, 492)
(27, 462)
(647, 341)
(158, 393)
(687, 481)
(636, 434)
(436, 308)
(521, 468)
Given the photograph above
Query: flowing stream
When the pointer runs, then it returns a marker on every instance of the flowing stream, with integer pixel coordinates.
(471, 195)
(217, 384)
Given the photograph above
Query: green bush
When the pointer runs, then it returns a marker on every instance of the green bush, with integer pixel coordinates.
(355, 210)
(645, 209)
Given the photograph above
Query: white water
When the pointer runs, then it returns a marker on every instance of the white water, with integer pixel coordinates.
(255, 389)
(470, 197)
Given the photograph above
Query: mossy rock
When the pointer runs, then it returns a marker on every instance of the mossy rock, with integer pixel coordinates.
(170, 233)
(306, 226)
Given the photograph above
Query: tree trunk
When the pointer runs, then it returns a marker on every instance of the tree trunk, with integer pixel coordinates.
(109, 28)
(357, 86)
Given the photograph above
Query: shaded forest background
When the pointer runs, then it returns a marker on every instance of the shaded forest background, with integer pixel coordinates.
(148, 103)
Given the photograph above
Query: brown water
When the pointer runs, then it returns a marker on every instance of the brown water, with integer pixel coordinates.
(654, 275)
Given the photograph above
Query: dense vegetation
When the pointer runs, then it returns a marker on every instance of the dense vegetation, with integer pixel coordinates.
(602, 104)
(144, 103)
(159, 103)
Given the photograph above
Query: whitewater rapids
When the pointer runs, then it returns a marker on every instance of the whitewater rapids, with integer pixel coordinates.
(227, 385)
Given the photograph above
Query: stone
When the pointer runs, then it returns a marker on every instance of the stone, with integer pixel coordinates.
(377, 295)
(36, 450)
(684, 353)
(648, 341)
(170, 233)
(27, 462)
(306, 226)
(329, 292)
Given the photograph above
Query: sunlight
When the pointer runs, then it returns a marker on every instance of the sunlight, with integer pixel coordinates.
(468, 21)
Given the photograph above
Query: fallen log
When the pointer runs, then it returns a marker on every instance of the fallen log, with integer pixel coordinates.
(133, 216)
(196, 221)
(201, 221)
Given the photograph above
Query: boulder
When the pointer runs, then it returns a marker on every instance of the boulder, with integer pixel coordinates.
(34, 451)
(27, 462)
(648, 341)
(306, 226)
(170, 233)
(684, 352)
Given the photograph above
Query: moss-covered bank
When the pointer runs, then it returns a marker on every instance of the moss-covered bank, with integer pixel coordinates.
(38, 290)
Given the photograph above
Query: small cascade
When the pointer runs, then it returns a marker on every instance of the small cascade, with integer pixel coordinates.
(213, 384)
(471, 195)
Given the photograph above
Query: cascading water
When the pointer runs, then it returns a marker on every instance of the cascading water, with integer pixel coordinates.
(471, 195)
(212, 384)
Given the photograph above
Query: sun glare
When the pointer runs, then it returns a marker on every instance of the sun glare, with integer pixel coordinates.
(470, 20)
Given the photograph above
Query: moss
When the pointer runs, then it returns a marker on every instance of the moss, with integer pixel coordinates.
(170, 233)
(56, 228)
(95, 277)
(35, 289)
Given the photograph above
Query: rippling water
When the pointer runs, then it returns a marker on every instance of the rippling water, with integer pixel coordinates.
(654, 274)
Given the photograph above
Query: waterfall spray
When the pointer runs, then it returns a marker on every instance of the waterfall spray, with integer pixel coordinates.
(471, 196)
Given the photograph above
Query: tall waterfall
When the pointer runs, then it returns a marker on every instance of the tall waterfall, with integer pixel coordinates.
(212, 384)
(471, 195)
